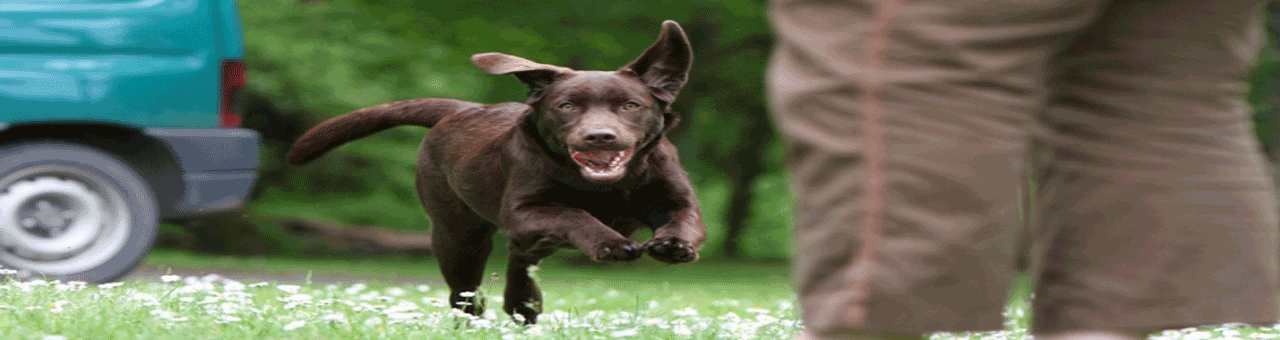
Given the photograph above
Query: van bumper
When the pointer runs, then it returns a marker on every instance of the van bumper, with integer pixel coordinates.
(219, 168)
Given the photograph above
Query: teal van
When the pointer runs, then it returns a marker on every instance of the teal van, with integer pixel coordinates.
(114, 115)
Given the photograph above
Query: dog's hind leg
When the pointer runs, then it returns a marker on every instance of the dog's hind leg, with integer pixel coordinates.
(522, 299)
(460, 239)
(461, 243)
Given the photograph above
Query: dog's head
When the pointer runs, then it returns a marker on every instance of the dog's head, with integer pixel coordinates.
(601, 120)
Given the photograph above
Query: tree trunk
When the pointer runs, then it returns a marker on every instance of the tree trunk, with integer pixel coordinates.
(748, 157)
(739, 211)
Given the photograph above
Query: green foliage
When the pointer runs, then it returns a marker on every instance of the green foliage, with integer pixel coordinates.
(772, 207)
(332, 57)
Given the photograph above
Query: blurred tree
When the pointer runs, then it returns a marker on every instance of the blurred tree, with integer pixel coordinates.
(320, 59)
(735, 97)
(1267, 87)
(312, 60)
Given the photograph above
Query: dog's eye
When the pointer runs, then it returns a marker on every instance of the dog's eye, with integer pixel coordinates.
(566, 106)
(630, 106)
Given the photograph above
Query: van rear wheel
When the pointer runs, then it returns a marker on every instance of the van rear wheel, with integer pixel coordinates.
(73, 213)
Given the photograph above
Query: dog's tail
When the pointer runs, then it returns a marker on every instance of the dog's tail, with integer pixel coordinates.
(425, 112)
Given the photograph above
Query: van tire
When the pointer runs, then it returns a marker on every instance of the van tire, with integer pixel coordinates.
(72, 212)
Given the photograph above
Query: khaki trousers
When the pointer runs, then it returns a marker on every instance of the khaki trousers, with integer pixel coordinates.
(909, 124)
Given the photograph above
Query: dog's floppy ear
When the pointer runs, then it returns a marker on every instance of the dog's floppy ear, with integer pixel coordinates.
(536, 75)
(664, 66)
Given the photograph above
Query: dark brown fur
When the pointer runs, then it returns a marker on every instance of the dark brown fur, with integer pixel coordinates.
(507, 166)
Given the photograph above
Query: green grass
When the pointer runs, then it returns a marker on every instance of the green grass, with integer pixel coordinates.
(709, 300)
(212, 310)
(389, 268)
(704, 300)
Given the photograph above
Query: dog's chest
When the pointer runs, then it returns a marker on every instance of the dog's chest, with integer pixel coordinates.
(604, 206)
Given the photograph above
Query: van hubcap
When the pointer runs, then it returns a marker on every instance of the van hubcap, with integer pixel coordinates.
(60, 219)
(49, 217)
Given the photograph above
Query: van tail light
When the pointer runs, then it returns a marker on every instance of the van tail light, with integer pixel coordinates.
(232, 82)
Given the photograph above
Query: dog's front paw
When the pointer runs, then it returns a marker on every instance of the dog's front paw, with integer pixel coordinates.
(617, 250)
(671, 250)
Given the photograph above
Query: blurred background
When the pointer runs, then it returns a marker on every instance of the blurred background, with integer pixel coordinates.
(311, 60)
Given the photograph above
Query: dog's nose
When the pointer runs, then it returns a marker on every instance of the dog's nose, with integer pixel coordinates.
(600, 136)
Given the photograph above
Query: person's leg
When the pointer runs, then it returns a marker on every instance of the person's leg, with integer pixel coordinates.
(856, 335)
(905, 123)
(1156, 210)
(1092, 335)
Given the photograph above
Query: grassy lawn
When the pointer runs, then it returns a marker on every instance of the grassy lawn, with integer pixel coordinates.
(553, 269)
(705, 300)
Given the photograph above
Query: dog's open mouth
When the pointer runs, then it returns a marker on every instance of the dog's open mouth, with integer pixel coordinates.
(603, 166)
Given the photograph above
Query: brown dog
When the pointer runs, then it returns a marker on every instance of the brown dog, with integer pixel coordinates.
(583, 164)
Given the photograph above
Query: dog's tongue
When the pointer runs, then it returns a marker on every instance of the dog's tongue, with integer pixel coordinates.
(595, 158)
